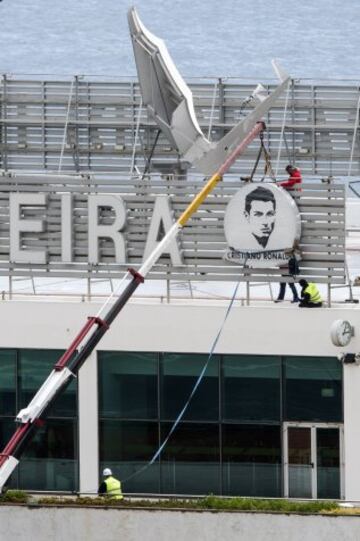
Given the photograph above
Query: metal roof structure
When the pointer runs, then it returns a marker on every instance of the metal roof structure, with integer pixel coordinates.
(84, 124)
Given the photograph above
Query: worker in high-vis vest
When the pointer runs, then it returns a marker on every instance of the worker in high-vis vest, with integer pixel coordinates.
(110, 487)
(310, 296)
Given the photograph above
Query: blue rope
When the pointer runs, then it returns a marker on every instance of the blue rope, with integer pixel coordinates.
(198, 381)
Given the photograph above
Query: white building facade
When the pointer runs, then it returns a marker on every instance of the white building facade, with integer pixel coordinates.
(276, 413)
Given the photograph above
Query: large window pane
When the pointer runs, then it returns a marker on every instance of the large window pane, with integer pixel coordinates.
(126, 447)
(251, 388)
(179, 374)
(190, 462)
(7, 382)
(49, 462)
(251, 460)
(328, 463)
(7, 429)
(313, 389)
(128, 385)
(300, 462)
(34, 368)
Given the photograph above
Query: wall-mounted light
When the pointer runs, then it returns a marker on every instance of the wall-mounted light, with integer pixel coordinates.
(349, 358)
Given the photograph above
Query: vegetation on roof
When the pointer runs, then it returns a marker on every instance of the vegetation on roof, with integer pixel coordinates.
(208, 503)
(14, 496)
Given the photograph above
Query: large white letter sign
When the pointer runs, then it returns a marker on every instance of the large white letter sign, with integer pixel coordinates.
(97, 231)
(19, 225)
(162, 218)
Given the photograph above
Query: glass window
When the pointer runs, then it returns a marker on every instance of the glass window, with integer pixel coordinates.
(190, 462)
(251, 460)
(7, 429)
(128, 446)
(313, 389)
(328, 463)
(251, 388)
(8, 382)
(128, 385)
(34, 368)
(49, 462)
(179, 374)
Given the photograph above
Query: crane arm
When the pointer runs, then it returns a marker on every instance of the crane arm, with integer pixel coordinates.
(89, 336)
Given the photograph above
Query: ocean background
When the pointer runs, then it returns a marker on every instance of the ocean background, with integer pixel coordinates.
(237, 38)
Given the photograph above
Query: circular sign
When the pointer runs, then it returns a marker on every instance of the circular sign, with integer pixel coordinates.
(262, 223)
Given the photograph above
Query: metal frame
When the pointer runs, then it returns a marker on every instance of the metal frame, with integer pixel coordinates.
(321, 123)
(321, 206)
(313, 426)
(88, 125)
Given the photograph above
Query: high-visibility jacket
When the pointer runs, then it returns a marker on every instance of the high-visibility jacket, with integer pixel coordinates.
(313, 291)
(113, 488)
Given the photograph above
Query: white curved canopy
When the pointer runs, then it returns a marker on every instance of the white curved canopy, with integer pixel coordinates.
(169, 101)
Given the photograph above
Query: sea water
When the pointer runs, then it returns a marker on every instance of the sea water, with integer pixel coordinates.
(237, 38)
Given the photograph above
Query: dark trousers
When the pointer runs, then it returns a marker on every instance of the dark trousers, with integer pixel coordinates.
(307, 304)
(282, 290)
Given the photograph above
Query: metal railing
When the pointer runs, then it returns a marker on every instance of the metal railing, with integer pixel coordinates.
(83, 124)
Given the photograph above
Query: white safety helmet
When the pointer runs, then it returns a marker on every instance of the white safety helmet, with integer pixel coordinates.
(107, 472)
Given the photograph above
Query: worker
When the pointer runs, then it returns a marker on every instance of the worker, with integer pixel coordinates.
(293, 270)
(110, 487)
(310, 296)
(293, 183)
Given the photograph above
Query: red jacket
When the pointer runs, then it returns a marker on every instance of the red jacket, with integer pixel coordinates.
(294, 181)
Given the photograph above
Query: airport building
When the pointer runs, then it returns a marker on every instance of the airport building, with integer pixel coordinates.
(276, 412)
(273, 416)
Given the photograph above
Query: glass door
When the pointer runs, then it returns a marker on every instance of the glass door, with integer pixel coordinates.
(299, 463)
(328, 462)
(312, 458)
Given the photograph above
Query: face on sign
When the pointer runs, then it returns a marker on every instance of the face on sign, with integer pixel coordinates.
(260, 213)
(261, 222)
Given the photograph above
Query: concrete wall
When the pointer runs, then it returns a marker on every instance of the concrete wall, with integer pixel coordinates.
(183, 327)
(58, 524)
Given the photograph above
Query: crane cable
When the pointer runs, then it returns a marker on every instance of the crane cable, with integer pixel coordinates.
(268, 170)
(194, 389)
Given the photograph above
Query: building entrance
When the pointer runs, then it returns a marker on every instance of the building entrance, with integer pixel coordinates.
(312, 460)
